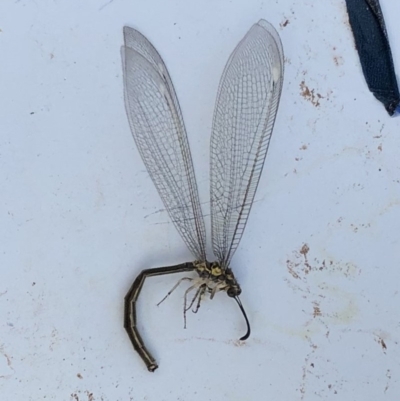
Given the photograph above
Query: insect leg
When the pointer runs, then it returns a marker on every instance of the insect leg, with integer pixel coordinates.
(194, 298)
(185, 303)
(174, 288)
(202, 292)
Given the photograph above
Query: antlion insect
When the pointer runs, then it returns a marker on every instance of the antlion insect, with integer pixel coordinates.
(245, 111)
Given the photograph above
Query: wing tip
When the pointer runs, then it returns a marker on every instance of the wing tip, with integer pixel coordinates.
(127, 30)
(273, 33)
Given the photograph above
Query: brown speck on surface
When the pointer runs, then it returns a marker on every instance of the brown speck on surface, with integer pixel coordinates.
(284, 23)
(304, 249)
(75, 396)
(8, 359)
(79, 376)
(302, 266)
(310, 95)
(33, 284)
(383, 344)
(317, 310)
(380, 147)
(90, 396)
(291, 266)
(305, 370)
(304, 147)
(338, 60)
(389, 376)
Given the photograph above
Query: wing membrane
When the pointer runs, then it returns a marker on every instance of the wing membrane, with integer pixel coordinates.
(246, 106)
(157, 126)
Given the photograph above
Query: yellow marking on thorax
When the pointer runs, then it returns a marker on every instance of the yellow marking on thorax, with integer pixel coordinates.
(216, 271)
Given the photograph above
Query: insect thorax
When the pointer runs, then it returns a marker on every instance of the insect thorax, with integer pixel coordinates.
(217, 278)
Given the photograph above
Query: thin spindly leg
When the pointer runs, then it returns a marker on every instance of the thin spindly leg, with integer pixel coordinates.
(185, 303)
(174, 288)
(203, 290)
(131, 298)
(193, 299)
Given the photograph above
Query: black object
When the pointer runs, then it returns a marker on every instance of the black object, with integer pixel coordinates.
(370, 35)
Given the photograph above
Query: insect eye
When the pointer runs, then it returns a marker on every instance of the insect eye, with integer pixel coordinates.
(234, 291)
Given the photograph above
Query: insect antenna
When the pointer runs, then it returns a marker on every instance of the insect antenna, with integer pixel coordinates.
(247, 335)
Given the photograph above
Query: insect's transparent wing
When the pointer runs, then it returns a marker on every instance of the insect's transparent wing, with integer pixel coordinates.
(157, 126)
(246, 106)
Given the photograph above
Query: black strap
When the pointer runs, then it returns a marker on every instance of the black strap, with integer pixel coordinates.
(369, 30)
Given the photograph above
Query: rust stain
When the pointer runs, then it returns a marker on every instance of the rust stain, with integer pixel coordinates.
(317, 310)
(310, 95)
(311, 283)
(291, 266)
(304, 251)
(301, 266)
(306, 370)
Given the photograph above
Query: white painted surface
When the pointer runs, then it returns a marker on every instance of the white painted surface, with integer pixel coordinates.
(318, 264)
